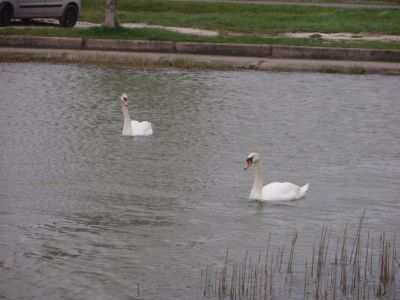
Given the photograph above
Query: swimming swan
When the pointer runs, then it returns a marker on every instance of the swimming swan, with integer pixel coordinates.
(133, 128)
(275, 191)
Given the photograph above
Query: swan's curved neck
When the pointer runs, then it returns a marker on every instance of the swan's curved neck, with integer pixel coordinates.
(256, 191)
(127, 130)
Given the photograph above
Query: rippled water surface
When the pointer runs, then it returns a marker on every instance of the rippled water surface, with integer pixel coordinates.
(88, 214)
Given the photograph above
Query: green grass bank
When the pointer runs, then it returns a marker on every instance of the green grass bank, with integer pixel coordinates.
(249, 18)
(236, 22)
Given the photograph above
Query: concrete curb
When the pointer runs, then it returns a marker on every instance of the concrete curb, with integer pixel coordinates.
(151, 60)
(247, 50)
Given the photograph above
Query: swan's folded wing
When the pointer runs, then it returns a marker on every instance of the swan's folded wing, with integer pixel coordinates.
(280, 191)
(141, 128)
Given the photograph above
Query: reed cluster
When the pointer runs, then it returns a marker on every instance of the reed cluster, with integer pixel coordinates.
(360, 267)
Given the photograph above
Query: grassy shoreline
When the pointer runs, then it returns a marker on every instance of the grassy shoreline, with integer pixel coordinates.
(165, 35)
(236, 22)
(249, 18)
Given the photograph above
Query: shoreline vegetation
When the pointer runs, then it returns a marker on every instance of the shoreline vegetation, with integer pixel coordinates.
(165, 35)
(248, 18)
(377, 2)
(339, 267)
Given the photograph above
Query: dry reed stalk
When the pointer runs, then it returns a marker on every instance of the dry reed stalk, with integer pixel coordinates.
(291, 256)
(258, 277)
(305, 282)
(356, 268)
(222, 286)
(385, 272)
(357, 240)
(255, 283)
(215, 285)
(278, 255)
(366, 257)
(312, 262)
(356, 260)
(262, 281)
(327, 245)
(271, 276)
(210, 284)
(201, 282)
(250, 287)
(249, 278)
(232, 291)
(320, 263)
(372, 251)
(334, 271)
(366, 267)
(334, 288)
(205, 280)
(331, 275)
(343, 264)
(244, 274)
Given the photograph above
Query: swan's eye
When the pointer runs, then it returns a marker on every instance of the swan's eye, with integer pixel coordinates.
(249, 160)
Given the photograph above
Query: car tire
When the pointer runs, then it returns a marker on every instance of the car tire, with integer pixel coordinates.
(6, 13)
(69, 16)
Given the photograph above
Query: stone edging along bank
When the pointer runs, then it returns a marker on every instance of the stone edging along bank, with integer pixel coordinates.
(249, 50)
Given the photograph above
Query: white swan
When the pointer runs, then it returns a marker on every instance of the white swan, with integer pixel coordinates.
(133, 128)
(275, 191)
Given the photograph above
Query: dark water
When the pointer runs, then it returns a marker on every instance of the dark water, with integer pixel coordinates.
(88, 214)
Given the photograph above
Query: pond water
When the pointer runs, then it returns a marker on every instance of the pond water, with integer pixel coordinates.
(86, 213)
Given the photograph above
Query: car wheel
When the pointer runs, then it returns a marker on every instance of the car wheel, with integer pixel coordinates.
(6, 13)
(69, 17)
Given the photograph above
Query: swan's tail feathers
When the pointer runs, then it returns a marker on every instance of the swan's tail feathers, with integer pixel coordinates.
(303, 190)
(141, 128)
(148, 129)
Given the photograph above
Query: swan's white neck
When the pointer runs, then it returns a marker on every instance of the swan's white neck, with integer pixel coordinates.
(127, 130)
(256, 191)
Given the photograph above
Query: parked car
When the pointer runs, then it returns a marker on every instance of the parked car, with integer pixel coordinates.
(66, 11)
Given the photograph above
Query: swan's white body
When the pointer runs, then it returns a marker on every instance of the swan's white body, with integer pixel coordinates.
(275, 191)
(132, 127)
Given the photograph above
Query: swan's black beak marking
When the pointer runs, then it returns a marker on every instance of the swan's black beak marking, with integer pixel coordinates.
(249, 162)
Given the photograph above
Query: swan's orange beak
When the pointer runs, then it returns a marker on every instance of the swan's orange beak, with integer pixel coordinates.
(249, 162)
(125, 102)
